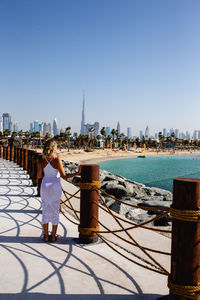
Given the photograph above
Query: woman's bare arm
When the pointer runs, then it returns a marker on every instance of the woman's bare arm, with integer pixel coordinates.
(62, 172)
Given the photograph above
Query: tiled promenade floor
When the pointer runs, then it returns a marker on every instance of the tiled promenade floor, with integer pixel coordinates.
(32, 269)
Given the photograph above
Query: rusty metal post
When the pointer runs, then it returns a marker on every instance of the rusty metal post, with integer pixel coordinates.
(35, 168)
(1, 152)
(28, 163)
(21, 157)
(39, 180)
(8, 153)
(4, 152)
(88, 208)
(11, 153)
(31, 153)
(185, 259)
(25, 161)
(15, 154)
(18, 156)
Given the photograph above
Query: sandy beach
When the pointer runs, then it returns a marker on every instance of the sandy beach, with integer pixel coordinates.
(98, 155)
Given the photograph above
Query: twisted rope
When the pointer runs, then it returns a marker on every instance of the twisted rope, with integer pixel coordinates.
(125, 240)
(138, 245)
(185, 215)
(89, 185)
(187, 291)
(164, 272)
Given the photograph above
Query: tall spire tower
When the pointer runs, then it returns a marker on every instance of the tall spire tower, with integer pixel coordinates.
(83, 116)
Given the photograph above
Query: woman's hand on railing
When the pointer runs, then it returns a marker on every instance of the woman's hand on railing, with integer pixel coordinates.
(79, 169)
(73, 174)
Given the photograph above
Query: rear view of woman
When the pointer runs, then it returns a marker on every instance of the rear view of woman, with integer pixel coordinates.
(51, 169)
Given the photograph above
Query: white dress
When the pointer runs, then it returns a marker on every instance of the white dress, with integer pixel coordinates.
(51, 192)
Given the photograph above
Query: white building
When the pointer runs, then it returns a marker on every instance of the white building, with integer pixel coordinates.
(118, 128)
(164, 132)
(129, 133)
(141, 134)
(107, 131)
(55, 127)
(176, 133)
(95, 126)
(31, 128)
(1, 124)
(195, 135)
(6, 121)
(147, 132)
(15, 127)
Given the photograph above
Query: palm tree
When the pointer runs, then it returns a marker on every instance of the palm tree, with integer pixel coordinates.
(108, 138)
(173, 140)
(91, 133)
(27, 135)
(20, 134)
(78, 141)
(103, 133)
(6, 132)
(86, 140)
(47, 136)
(161, 138)
(121, 138)
(68, 133)
(38, 137)
(113, 131)
(14, 134)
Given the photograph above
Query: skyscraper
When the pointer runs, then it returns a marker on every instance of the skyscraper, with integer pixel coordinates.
(195, 135)
(95, 126)
(176, 133)
(1, 124)
(83, 129)
(128, 132)
(36, 126)
(146, 133)
(55, 127)
(15, 127)
(187, 135)
(6, 121)
(107, 131)
(41, 128)
(164, 132)
(31, 127)
(118, 128)
(47, 129)
(171, 131)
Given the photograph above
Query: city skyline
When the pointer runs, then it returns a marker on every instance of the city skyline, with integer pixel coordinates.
(138, 62)
(53, 129)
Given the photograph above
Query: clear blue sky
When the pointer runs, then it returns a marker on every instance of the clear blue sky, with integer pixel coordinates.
(138, 61)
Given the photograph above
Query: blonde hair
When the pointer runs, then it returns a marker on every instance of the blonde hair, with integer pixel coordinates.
(50, 148)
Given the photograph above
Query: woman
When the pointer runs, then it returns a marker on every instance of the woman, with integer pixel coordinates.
(51, 169)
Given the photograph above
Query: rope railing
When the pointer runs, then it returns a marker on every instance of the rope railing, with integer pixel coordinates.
(185, 212)
(157, 267)
(190, 290)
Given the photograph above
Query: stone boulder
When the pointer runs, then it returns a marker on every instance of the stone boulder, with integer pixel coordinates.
(130, 192)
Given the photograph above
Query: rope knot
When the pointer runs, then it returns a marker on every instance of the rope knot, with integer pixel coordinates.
(185, 215)
(188, 291)
(89, 185)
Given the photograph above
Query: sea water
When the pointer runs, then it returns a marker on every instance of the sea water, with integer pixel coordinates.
(158, 171)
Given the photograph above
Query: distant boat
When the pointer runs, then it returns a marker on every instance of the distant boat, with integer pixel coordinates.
(141, 156)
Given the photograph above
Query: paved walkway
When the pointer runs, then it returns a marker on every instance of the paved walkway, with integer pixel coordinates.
(32, 269)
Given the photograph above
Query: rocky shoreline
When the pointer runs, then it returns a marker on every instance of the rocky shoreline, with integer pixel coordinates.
(130, 192)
